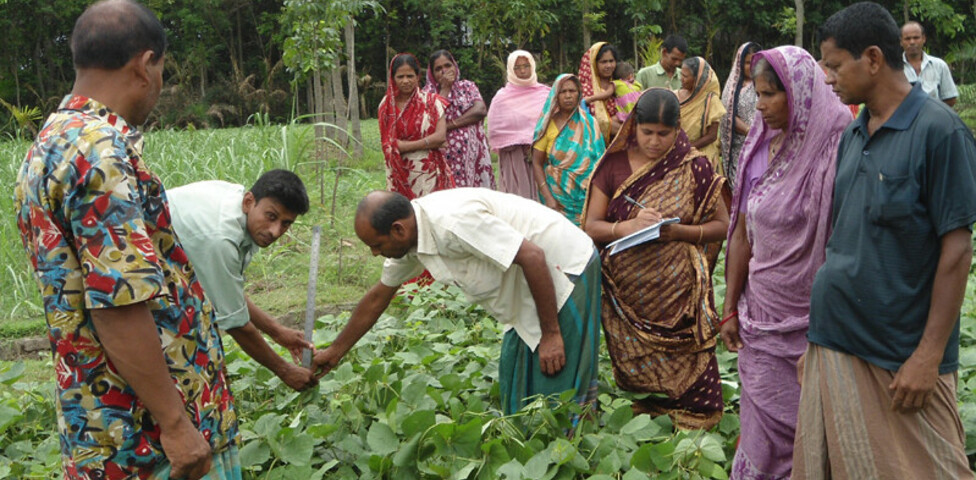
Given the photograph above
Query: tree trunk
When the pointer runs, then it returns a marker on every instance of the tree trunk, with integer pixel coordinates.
(318, 108)
(637, 59)
(798, 40)
(905, 11)
(586, 28)
(352, 80)
(339, 106)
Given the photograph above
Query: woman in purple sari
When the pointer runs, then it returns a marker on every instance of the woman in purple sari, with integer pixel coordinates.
(466, 150)
(777, 236)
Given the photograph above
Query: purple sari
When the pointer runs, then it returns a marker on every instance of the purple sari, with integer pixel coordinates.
(787, 223)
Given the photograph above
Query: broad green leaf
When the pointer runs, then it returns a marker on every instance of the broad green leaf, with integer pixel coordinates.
(269, 425)
(9, 416)
(467, 438)
(561, 451)
(634, 474)
(619, 418)
(641, 427)
(254, 453)
(711, 448)
(512, 470)
(641, 459)
(381, 439)
(600, 476)
(320, 473)
(537, 466)
(296, 449)
(407, 453)
(610, 463)
(661, 455)
(10, 375)
(417, 422)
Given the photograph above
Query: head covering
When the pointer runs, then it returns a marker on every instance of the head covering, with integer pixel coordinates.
(794, 194)
(510, 67)
(432, 85)
(416, 120)
(572, 155)
(703, 107)
(602, 110)
(516, 107)
(730, 98)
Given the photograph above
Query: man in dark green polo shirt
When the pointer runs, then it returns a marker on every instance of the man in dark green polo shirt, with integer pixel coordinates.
(879, 377)
(664, 73)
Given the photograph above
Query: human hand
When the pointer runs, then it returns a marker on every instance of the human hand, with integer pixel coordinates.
(189, 454)
(552, 203)
(730, 334)
(294, 341)
(552, 356)
(448, 78)
(298, 378)
(607, 92)
(645, 218)
(324, 361)
(913, 384)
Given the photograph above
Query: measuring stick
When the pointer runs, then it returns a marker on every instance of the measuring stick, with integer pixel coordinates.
(313, 276)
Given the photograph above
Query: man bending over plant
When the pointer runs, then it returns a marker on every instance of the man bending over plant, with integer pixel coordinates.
(532, 269)
(221, 227)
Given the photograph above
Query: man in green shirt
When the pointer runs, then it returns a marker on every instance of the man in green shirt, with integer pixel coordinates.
(221, 227)
(664, 73)
(880, 374)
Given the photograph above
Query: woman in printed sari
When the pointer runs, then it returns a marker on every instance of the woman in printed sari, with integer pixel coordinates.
(596, 77)
(739, 100)
(466, 150)
(779, 229)
(511, 120)
(701, 107)
(412, 128)
(658, 312)
(565, 147)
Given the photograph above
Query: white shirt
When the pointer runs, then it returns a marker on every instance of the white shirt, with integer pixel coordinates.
(935, 76)
(468, 237)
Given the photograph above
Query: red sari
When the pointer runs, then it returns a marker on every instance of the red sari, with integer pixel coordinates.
(420, 172)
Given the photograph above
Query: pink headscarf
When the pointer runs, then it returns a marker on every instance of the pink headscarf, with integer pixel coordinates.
(516, 107)
(794, 195)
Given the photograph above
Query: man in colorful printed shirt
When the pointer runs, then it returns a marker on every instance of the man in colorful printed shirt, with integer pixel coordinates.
(140, 389)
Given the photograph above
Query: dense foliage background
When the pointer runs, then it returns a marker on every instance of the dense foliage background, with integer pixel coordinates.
(232, 59)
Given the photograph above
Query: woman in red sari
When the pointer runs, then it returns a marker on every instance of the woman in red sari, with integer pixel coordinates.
(412, 129)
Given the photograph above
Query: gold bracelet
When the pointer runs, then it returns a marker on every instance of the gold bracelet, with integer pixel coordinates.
(701, 233)
(613, 229)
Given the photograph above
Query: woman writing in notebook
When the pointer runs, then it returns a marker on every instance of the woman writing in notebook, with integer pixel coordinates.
(658, 307)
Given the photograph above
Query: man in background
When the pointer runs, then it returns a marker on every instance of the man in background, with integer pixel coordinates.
(932, 72)
(666, 72)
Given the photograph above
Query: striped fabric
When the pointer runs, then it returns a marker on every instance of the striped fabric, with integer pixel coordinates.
(224, 466)
(847, 429)
(520, 375)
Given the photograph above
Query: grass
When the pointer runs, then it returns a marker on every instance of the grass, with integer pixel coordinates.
(277, 277)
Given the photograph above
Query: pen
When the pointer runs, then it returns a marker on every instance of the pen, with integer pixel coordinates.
(635, 202)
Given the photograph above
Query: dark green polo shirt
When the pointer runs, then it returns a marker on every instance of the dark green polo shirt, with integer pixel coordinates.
(896, 193)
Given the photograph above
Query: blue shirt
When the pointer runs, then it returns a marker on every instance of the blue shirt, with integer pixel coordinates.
(897, 192)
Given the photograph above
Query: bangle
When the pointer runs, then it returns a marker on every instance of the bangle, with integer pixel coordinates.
(613, 234)
(728, 317)
(701, 232)
(426, 143)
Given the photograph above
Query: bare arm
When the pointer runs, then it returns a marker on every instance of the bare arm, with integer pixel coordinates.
(708, 138)
(473, 115)
(434, 140)
(532, 259)
(711, 231)
(253, 344)
(741, 127)
(538, 171)
(364, 316)
(602, 231)
(130, 339)
(600, 94)
(916, 379)
(951, 101)
(736, 275)
(293, 340)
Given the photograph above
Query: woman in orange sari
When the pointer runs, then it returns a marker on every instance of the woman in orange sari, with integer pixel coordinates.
(658, 311)
(412, 129)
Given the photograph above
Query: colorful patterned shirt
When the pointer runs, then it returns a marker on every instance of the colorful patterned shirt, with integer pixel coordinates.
(96, 226)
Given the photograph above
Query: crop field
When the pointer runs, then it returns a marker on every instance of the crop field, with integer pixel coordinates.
(416, 398)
